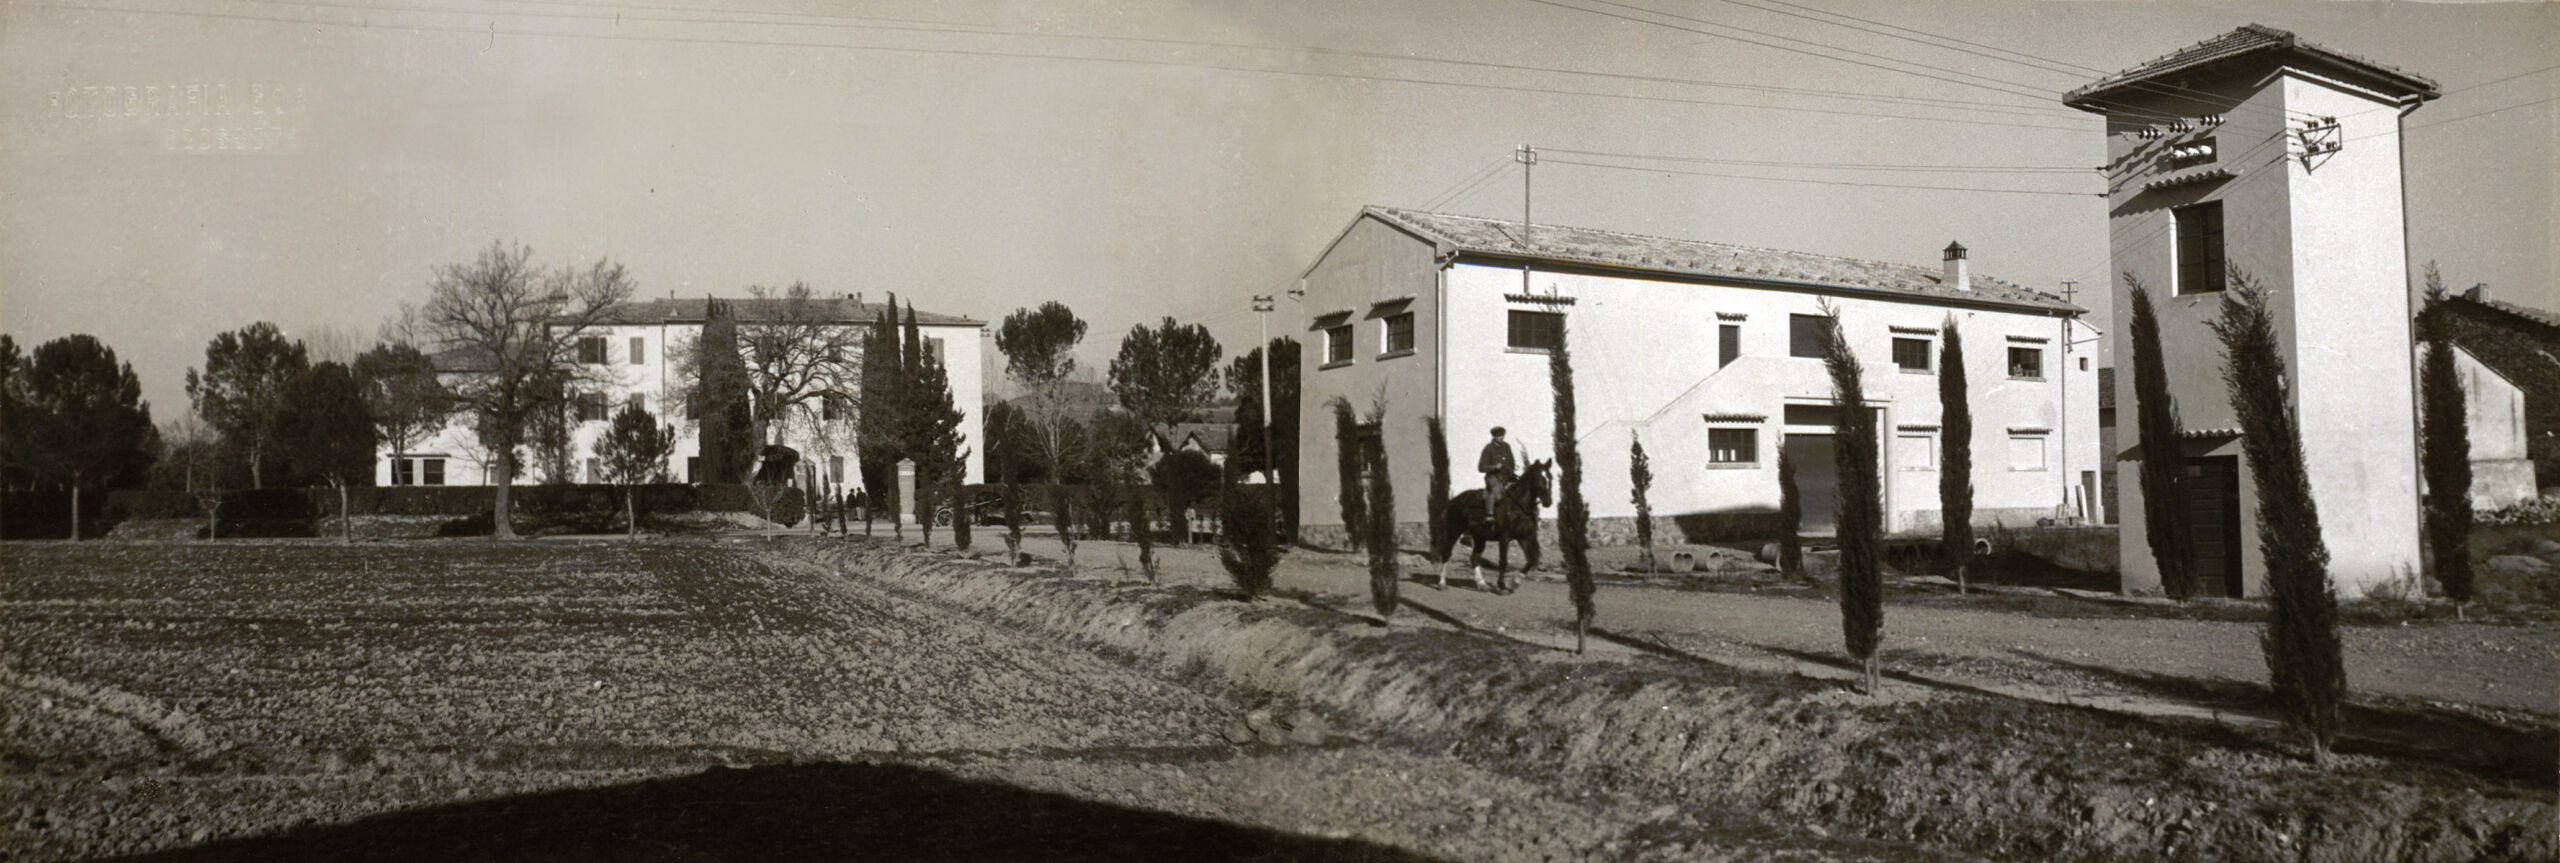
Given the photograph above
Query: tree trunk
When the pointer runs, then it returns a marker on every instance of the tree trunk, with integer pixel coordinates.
(630, 514)
(75, 507)
(346, 529)
(257, 475)
(502, 525)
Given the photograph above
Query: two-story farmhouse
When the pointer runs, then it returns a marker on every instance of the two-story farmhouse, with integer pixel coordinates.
(1708, 353)
(636, 356)
(2258, 150)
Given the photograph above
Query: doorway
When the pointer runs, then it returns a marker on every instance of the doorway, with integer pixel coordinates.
(2213, 517)
(1817, 481)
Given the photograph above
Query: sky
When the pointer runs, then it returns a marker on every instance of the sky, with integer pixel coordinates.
(1131, 158)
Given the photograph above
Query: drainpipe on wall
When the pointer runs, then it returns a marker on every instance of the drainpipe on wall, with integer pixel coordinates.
(2417, 443)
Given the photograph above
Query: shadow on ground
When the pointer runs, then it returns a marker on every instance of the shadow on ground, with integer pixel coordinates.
(787, 812)
(2497, 751)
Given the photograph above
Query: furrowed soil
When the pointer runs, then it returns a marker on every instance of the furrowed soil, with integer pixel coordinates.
(706, 700)
(1997, 772)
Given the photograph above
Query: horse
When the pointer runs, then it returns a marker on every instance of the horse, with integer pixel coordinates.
(1514, 518)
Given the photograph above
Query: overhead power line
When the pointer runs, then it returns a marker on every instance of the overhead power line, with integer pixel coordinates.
(1651, 170)
(1906, 67)
(1850, 166)
(493, 30)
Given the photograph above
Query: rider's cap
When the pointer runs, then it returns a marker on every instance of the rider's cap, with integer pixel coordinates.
(1497, 431)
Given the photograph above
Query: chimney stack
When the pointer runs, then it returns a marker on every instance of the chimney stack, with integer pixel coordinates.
(2478, 293)
(1958, 276)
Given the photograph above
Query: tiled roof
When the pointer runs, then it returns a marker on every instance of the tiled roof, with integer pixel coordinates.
(1694, 258)
(752, 310)
(2250, 39)
(2526, 312)
(1213, 437)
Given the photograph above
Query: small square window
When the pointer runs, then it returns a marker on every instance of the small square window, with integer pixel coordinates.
(639, 350)
(1807, 334)
(1915, 451)
(1535, 331)
(434, 471)
(831, 407)
(404, 471)
(1400, 333)
(1733, 446)
(591, 350)
(591, 407)
(2026, 450)
(2026, 363)
(1337, 344)
(640, 402)
(1911, 355)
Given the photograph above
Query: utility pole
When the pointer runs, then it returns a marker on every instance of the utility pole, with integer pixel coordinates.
(1262, 305)
(2070, 478)
(1527, 156)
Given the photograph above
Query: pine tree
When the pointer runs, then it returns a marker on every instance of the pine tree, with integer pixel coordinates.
(2445, 454)
(1573, 518)
(1860, 508)
(2304, 662)
(876, 421)
(2164, 470)
(1955, 464)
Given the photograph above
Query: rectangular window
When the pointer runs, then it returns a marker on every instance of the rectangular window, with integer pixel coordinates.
(591, 350)
(693, 468)
(1728, 344)
(1535, 331)
(639, 350)
(640, 402)
(1915, 451)
(434, 471)
(1911, 355)
(404, 471)
(1400, 333)
(831, 407)
(2026, 363)
(2199, 248)
(1337, 345)
(835, 470)
(1806, 334)
(595, 471)
(2026, 450)
(1733, 446)
(933, 348)
(591, 407)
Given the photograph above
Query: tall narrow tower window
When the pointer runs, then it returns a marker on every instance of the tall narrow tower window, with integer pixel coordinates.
(2200, 263)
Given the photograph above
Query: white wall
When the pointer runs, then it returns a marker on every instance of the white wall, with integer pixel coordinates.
(1645, 354)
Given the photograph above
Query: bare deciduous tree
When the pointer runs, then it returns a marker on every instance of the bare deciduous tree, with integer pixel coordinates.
(521, 326)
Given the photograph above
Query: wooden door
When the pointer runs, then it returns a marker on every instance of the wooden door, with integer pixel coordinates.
(2213, 514)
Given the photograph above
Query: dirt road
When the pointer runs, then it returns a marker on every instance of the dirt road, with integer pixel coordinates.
(595, 700)
(2077, 659)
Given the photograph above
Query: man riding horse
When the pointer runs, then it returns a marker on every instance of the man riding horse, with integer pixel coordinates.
(1510, 515)
(1496, 465)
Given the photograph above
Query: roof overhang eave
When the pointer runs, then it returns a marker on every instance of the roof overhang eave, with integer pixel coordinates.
(1493, 256)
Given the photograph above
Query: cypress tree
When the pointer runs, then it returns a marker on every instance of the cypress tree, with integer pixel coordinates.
(1436, 507)
(1955, 464)
(1573, 518)
(720, 398)
(1385, 576)
(1860, 508)
(1790, 517)
(2446, 451)
(2304, 662)
(1640, 476)
(2164, 469)
(1347, 462)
